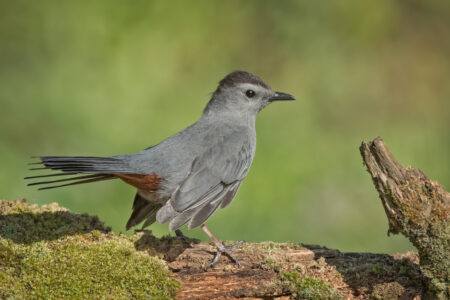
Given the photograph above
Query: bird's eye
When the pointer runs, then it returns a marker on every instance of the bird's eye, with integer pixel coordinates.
(250, 93)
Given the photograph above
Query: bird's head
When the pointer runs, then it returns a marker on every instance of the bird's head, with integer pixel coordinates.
(242, 92)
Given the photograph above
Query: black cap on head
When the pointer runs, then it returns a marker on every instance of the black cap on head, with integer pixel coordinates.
(237, 77)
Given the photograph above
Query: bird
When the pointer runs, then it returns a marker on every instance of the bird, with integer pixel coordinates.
(185, 178)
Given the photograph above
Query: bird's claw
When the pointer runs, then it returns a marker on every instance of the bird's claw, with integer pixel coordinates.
(221, 248)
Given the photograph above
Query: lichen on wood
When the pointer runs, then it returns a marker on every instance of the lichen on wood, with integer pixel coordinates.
(417, 207)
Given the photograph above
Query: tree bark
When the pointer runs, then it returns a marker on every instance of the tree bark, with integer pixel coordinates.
(418, 208)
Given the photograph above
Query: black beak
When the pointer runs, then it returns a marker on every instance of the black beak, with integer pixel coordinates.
(281, 96)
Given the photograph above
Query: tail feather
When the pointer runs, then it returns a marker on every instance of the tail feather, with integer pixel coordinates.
(51, 175)
(99, 177)
(68, 179)
(93, 168)
(88, 164)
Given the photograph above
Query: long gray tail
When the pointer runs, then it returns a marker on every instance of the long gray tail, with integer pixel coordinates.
(93, 168)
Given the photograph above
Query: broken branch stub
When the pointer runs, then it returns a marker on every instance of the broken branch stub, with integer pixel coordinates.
(417, 207)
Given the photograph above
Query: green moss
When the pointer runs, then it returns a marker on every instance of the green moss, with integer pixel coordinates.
(27, 223)
(269, 245)
(307, 287)
(377, 269)
(80, 259)
(271, 263)
(388, 291)
(426, 225)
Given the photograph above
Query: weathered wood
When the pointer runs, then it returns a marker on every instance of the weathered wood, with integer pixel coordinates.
(417, 207)
(286, 270)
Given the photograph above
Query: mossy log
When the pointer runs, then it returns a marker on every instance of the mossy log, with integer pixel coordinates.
(50, 253)
(417, 207)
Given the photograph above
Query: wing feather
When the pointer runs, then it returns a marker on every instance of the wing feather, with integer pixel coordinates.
(203, 214)
(223, 164)
(212, 182)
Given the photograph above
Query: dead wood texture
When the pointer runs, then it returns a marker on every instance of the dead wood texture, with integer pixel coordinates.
(286, 271)
(40, 247)
(418, 208)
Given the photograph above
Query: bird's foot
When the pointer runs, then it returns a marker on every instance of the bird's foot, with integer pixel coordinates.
(181, 236)
(228, 250)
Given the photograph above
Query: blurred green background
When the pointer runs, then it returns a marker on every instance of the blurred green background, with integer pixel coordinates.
(112, 77)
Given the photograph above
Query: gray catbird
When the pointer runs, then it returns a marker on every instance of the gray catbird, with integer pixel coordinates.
(186, 177)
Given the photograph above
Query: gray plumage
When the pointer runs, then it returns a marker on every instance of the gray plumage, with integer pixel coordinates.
(200, 168)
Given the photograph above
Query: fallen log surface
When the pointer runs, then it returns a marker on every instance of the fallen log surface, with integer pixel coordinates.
(50, 252)
(277, 270)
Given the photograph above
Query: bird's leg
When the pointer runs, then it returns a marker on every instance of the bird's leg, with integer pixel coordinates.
(180, 235)
(221, 248)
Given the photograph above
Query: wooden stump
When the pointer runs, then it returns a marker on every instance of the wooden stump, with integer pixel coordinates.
(418, 208)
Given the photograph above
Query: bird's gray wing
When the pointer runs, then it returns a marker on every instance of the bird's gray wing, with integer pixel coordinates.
(198, 215)
(216, 168)
(214, 179)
